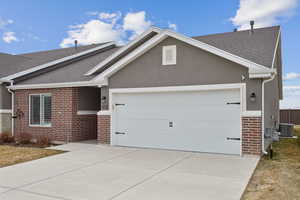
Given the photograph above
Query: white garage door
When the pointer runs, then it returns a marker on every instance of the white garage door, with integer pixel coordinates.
(204, 121)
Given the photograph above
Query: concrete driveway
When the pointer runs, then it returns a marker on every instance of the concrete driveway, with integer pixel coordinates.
(92, 171)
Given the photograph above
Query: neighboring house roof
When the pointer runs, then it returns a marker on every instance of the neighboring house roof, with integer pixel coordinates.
(258, 46)
(39, 60)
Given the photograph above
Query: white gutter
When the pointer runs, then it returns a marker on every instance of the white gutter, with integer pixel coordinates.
(263, 113)
(56, 85)
(12, 108)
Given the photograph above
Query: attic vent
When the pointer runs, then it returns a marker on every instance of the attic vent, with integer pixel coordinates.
(169, 55)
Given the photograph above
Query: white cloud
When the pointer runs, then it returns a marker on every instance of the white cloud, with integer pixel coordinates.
(172, 26)
(9, 37)
(264, 12)
(107, 27)
(110, 17)
(92, 13)
(291, 76)
(105, 15)
(291, 96)
(5, 22)
(94, 31)
(136, 23)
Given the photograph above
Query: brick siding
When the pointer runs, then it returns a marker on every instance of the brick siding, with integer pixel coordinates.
(103, 129)
(66, 125)
(251, 135)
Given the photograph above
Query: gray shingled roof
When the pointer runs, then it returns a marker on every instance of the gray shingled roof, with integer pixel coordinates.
(29, 60)
(71, 72)
(258, 47)
(7, 61)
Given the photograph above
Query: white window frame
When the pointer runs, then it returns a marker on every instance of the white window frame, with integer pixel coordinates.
(173, 49)
(42, 122)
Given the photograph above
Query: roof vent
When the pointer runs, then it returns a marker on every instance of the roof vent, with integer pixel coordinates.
(235, 30)
(252, 26)
(76, 43)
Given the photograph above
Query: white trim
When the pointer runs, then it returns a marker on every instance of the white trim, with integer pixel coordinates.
(121, 50)
(5, 111)
(276, 47)
(260, 75)
(252, 113)
(42, 124)
(86, 112)
(254, 68)
(43, 66)
(164, 58)
(178, 88)
(240, 86)
(104, 112)
(54, 85)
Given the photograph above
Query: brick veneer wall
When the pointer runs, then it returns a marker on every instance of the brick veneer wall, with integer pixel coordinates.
(103, 129)
(66, 125)
(251, 135)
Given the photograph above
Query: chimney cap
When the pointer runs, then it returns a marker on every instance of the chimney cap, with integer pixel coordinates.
(252, 22)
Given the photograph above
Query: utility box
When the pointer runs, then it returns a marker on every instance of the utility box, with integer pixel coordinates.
(286, 130)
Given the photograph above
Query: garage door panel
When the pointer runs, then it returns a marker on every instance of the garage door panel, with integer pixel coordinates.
(201, 121)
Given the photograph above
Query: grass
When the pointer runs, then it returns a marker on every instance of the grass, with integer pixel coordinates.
(279, 178)
(10, 155)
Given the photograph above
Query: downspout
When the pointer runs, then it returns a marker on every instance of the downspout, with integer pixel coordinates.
(263, 113)
(12, 108)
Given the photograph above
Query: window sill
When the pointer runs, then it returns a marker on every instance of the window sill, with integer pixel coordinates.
(42, 126)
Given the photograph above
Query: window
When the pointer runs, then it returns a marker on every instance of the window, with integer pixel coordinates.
(169, 55)
(40, 109)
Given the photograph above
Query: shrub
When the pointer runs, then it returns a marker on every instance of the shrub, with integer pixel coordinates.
(24, 138)
(7, 138)
(43, 141)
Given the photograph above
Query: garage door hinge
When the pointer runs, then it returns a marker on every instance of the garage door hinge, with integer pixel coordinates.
(119, 133)
(119, 104)
(230, 138)
(238, 103)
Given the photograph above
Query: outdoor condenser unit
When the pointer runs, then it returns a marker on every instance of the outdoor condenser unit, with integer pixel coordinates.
(286, 130)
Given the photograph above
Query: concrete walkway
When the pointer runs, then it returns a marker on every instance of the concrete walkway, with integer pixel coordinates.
(91, 171)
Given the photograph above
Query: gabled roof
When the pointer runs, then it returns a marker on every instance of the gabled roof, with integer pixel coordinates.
(255, 51)
(40, 60)
(255, 69)
(257, 47)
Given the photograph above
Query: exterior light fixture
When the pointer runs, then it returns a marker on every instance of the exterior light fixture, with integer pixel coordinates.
(103, 99)
(252, 97)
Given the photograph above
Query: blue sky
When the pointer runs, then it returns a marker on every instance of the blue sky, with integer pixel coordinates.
(35, 25)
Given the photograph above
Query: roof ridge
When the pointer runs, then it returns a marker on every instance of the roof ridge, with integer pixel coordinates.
(232, 32)
(67, 48)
